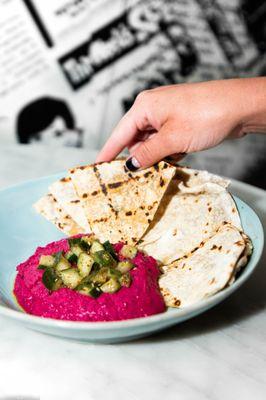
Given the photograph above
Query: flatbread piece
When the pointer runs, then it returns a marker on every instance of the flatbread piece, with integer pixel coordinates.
(205, 271)
(120, 205)
(65, 194)
(49, 208)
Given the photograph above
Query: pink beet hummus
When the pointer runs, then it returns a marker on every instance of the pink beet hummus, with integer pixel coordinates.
(141, 299)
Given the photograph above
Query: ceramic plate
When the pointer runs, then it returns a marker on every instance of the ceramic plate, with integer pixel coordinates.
(22, 230)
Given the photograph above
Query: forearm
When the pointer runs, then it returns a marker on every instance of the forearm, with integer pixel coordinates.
(252, 104)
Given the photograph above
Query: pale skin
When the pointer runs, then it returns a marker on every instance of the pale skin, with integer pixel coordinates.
(184, 118)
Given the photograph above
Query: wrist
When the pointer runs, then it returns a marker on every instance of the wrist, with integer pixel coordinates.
(252, 105)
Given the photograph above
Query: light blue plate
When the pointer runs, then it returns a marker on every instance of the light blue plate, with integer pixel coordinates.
(22, 230)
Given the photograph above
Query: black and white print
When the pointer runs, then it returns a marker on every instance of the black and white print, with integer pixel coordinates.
(100, 54)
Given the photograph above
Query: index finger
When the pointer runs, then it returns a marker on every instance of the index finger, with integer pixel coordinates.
(121, 136)
(134, 121)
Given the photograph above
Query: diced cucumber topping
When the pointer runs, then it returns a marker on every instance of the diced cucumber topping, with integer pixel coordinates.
(62, 265)
(76, 249)
(101, 276)
(125, 280)
(85, 263)
(90, 290)
(104, 259)
(57, 257)
(96, 247)
(114, 273)
(49, 278)
(71, 257)
(129, 251)
(46, 261)
(70, 277)
(109, 247)
(85, 243)
(84, 246)
(111, 286)
(74, 241)
(124, 266)
(88, 239)
(96, 268)
(58, 284)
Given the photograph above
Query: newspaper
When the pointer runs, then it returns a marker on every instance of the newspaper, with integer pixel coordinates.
(70, 69)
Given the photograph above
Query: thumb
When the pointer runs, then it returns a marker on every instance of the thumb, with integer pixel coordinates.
(150, 151)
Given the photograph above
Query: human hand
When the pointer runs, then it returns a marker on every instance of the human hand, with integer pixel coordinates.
(186, 118)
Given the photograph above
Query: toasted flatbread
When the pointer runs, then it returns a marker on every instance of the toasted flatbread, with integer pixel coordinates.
(120, 205)
(188, 214)
(66, 195)
(49, 208)
(205, 271)
(243, 260)
(190, 177)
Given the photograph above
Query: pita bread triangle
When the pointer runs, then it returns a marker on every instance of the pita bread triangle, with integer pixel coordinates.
(119, 204)
(186, 216)
(49, 208)
(205, 271)
(65, 194)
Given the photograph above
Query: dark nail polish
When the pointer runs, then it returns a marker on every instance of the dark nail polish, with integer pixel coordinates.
(132, 164)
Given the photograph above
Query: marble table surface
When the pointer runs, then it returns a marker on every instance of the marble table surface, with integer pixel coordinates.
(218, 355)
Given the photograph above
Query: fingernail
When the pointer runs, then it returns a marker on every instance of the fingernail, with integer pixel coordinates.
(132, 164)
